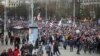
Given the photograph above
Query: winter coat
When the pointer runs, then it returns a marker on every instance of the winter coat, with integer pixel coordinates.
(16, 52)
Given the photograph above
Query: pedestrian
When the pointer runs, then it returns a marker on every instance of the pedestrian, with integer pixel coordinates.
(4, 53)
(17, 42)
(71, 44)
(40, 51)
(27, 37)
(78, 43)
(85, 45)
(9, 34)
(30, 48)
(90, 47)
(64, 43)
(23, 40)
(51, 45)
(98, 45)
(50, 39)
(11, 40)
(10, 52)
(48, 49)
(37, 43)
(56, 49)
(23, 49)
(2, 40)
(6, 40)
(16, 51)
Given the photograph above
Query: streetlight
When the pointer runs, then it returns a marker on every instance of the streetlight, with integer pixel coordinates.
(28, 3)
(32, 7)
(5, 18)
(33, 29)
(31, 12)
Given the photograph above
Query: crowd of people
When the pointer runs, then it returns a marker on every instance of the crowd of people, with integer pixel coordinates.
(82, 37)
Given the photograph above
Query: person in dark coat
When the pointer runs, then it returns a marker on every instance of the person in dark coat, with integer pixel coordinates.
(90, 47)
(78, 43)
(27, 37)
(17, 41)
(9, 34)
(2, 40)
(98, 46)
(6, 40)
(23, 40)
(48, 49)
(30, 48)
(85, 45)
(22, 50)
(56, 49)
(11, 40)
(71, 44)
(50, 39)
(37, 44)
(64, 44)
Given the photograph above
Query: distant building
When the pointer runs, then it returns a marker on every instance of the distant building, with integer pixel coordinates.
(91, 4)
(14, 3)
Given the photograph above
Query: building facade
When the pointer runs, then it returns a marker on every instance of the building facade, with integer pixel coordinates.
(14, 3)
(91, 5)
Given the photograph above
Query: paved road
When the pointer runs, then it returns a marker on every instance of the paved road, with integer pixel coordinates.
(68, 53)
(63, 52)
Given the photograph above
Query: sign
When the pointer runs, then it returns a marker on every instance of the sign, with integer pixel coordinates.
(33, 35)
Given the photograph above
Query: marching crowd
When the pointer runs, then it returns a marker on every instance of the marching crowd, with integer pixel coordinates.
(82, 37)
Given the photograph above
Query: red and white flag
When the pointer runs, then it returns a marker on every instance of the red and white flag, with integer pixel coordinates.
(39, 18)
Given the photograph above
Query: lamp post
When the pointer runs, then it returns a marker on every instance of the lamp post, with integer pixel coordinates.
(5, 18)
(74, 8)
(32, 7)
(28, 3)
(31, 12)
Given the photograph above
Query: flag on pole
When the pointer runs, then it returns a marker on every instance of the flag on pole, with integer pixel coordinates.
(51, 24)
(60, 23)
(39, 18)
